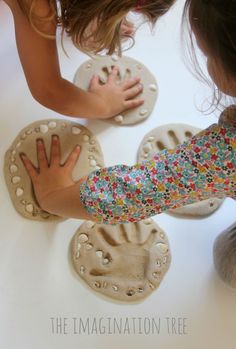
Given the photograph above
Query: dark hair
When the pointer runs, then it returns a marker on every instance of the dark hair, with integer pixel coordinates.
(214, 21)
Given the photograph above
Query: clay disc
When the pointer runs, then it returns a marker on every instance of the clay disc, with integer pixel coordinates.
(168, 137)
(128, 67)
(123, 262)
(17, 179)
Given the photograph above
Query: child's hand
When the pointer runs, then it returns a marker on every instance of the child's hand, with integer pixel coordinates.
(116, 97)
(50, 176)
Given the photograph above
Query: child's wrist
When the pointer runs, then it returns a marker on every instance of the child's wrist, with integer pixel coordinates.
(62, 200)
(101, 109)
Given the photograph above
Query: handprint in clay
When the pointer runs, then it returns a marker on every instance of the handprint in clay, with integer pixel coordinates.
(127, 259)
(128, 254)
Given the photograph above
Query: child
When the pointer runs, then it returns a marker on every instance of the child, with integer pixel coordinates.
(201, 168)
(93, 27)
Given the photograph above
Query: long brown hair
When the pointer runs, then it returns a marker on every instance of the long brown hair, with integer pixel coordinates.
(30, 9)
(76, 16)
(214, 21)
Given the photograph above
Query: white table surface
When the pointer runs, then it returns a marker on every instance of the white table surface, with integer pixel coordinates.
(36, 281)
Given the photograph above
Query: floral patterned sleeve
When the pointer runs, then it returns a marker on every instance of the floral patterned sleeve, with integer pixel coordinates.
(201, 168)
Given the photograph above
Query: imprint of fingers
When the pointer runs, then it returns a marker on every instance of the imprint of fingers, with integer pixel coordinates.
(111, 241)
(174, 138)
(123, 236)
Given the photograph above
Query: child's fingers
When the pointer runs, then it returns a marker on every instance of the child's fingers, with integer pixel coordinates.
(32, 171)
(113, 75)
(72, 158)
(41, 154)
(130, 83)
(133, 92)
(133, 103)
(55, 155)
(94, 82)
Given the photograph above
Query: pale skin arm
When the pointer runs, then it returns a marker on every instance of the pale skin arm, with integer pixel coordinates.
(54, 188)
(39, 59)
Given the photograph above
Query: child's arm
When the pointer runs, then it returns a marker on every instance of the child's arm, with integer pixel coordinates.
(199, 169)
(40, 63)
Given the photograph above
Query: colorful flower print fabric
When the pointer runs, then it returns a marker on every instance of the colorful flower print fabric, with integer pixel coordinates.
(201, 168)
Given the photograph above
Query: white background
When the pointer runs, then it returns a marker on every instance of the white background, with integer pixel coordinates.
(36, 280)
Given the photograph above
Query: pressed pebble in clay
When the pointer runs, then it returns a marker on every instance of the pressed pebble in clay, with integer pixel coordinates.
(17, 179)
(125, 262)
(128, 67)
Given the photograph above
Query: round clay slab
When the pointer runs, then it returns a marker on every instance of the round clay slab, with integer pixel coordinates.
(17, 179)
(125, 262)
(128, 67)
(168, 137)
